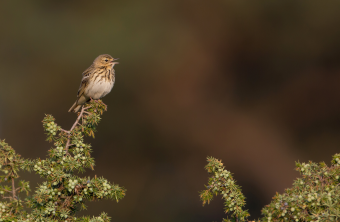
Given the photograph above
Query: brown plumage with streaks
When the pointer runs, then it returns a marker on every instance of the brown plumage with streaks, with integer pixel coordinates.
(97, 81)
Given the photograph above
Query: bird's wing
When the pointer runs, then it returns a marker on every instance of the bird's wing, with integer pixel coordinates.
(84, 81)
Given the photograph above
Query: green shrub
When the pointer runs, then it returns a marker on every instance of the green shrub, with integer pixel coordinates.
(314, 197)
(63, 193)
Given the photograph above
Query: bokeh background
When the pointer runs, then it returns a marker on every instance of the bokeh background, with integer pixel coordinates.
(254, 83)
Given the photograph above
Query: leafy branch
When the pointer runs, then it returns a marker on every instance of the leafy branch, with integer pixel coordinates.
(314, 197)
(222, 182)
(63, 193)
(9, 166)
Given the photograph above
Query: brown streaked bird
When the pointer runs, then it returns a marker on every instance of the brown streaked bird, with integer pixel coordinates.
(97, 81)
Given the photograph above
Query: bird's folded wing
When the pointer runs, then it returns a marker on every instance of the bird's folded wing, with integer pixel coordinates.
(84, 82)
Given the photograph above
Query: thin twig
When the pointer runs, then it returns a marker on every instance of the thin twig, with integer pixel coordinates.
(13, 188)
(77, 120)
(72, 128)
(65, 131)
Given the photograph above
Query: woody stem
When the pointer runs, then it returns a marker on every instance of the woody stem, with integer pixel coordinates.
(72, 128)
(13, 188)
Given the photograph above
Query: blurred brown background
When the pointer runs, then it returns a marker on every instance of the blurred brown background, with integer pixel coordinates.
(254, 83)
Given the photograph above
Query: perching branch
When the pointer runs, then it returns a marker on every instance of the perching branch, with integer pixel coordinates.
(63, 193)
(72, 128)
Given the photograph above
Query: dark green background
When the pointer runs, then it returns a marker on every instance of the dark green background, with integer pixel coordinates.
(254, 83)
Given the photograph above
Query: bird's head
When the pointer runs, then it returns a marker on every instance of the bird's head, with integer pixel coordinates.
(105, 60)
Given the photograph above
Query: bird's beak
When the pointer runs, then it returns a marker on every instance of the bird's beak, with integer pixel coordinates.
(113, 62)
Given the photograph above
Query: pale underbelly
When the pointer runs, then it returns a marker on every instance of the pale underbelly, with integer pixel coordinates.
(98, 89)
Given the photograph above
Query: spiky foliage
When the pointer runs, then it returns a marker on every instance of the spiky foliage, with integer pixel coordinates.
(64, 192)
(222, 182)
(9, 164)
(314, 197)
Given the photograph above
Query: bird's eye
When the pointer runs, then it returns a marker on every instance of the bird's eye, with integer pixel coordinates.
(106, 60)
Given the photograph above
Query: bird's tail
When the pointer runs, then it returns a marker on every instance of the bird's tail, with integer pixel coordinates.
(75, 107)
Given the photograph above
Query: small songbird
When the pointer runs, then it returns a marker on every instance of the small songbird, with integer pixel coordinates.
(97, 81)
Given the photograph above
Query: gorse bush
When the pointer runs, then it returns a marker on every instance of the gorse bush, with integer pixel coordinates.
(314, 197)
(63, 193)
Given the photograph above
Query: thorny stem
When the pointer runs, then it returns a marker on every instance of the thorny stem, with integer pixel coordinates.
(72, 128)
